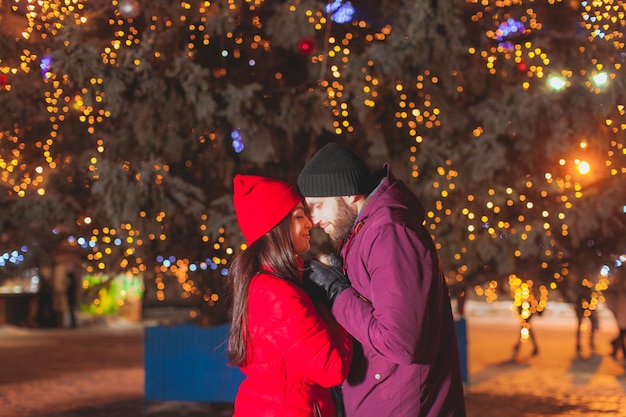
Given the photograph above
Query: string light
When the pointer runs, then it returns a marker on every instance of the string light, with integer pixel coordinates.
(506, 49)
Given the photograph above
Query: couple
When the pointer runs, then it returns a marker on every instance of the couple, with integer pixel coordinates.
(375, 319)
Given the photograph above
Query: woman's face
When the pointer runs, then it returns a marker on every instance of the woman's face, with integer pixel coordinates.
(300, 226)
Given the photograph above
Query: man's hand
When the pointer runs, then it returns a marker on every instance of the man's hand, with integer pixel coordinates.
(328, 281)
(331, 259)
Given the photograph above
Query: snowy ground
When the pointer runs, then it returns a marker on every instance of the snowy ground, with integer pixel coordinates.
(97, 370)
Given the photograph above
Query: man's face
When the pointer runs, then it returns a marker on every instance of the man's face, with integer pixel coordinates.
(333, 214)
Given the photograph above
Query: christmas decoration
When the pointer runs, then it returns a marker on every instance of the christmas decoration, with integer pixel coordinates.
(605, 19)
(238, 145)
(306, 46)
(129, 9)
(127, 132)
(339, 11)
(45, 66)
(509, 29)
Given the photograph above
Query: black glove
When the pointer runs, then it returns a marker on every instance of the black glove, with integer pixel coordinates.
(334, 259)
(327, 280)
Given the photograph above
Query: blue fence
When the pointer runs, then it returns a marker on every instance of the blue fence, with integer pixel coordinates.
(188, 363)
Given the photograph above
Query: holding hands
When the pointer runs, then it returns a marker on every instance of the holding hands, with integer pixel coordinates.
(325, 278)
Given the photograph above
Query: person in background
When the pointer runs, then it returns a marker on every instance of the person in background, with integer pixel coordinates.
(386, 287)
(72, 297)
(45, 313)
(615, 298)
(291, 351)
(525, 324)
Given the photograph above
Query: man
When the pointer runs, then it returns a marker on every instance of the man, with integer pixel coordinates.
(395, 302)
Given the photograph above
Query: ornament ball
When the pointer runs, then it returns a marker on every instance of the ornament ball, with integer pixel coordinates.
(129, 9)
(306, 46)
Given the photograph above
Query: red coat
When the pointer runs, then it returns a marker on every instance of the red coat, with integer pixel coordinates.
(295, 353)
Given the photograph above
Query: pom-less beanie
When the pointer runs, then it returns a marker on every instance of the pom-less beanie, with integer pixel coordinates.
(334, 171)
(261, 203)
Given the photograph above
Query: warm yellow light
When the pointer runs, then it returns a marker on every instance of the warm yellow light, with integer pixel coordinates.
(584, 168)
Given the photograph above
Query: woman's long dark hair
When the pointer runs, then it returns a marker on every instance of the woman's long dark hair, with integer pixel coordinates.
(272, 252)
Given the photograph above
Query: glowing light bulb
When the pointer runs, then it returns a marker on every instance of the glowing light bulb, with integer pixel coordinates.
(556, 82)
(600, 79)
(584, 167)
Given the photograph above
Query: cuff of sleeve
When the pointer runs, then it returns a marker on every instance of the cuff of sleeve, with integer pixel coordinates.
(344, 296)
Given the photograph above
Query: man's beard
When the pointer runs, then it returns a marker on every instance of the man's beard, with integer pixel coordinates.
(342, 225)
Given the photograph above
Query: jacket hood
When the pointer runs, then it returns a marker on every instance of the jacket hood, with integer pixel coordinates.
(392, 194)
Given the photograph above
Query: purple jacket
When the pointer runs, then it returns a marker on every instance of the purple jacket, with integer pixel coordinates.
(406, 362)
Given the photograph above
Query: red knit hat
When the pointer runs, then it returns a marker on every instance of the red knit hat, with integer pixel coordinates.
(261, 203)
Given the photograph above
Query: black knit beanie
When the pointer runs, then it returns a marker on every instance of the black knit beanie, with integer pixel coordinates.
(334, 171)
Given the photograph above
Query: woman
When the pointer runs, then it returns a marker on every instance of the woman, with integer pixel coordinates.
(291, 351)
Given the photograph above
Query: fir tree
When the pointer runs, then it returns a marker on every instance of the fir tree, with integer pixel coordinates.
(124, 122)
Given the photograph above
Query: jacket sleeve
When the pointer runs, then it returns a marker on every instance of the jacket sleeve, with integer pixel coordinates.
(312, 349)
(406, 296)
